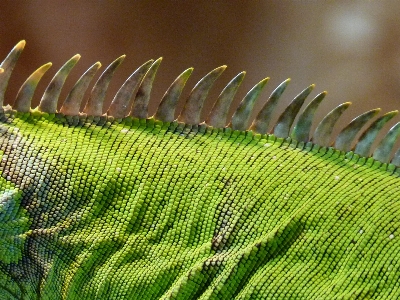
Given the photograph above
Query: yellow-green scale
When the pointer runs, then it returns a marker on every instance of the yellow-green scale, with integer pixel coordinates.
(144, 209)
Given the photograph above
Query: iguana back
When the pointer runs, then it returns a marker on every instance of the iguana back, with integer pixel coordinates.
(122, 206)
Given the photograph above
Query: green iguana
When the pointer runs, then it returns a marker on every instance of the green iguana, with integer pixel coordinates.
(125, 206)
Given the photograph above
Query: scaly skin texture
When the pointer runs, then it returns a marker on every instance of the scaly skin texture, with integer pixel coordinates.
(139, 209)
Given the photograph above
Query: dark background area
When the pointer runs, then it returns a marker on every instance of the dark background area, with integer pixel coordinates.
(349, 48)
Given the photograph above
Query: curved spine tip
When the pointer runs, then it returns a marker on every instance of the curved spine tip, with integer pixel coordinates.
(141, 101)
(20, 45)
(24, 97)
(324, 129)
(364, 144)
(301, 131)
(166, 108)
(94, 106)
(8, 65)
(346, 137)
(193, 107)
(286, 119)
(242, 114)
(261, 122)
(72, 103)
(49, 101)
(120, 105)
(219, 113)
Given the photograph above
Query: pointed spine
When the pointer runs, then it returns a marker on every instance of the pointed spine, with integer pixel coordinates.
(23, 101)
(385, 147)
(219, 113)
(72, 104)
(166, 109)
(141, 101)
(120, 106)
(241, 117)
(94, 106)
(8, 65)
(49, 101)
(366, 140)
(346, 137)
(301, 131)
(322, 134)
(285, 121)
(261, 123)
(193, 107)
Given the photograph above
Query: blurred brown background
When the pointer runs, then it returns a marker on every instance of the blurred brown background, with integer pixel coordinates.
(350, 48)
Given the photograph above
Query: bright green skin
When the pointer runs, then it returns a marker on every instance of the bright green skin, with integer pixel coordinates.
(146, 210)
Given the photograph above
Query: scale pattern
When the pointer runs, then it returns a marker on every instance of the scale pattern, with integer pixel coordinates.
(97, 208)
(110, 203)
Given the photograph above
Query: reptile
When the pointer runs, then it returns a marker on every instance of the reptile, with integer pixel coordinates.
(122, 205)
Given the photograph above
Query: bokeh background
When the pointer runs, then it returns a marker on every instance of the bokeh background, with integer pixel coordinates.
(349, 48)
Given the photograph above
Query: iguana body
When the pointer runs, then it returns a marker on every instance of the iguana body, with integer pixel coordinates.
(128, 208)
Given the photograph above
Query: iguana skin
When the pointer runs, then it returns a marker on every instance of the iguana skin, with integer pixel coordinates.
(145, 210)
(105, 208)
